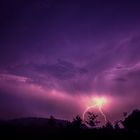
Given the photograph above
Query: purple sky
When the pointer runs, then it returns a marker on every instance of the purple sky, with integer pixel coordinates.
(55, 55)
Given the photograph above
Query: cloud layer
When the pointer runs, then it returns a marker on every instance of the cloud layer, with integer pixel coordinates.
(53, 55)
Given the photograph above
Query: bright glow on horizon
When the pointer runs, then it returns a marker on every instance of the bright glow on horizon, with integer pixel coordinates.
(97, 102)
(100, 101)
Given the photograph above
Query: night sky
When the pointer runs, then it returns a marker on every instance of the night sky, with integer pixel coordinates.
(56, 55)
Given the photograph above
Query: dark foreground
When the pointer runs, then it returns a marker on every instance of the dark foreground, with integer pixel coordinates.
(43, 129)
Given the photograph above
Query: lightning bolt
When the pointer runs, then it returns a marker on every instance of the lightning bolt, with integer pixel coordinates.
(88, 108)
(100, 110)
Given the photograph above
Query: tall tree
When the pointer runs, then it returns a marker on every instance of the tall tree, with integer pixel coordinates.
(91, 119)
(77, 122)
(132, 122)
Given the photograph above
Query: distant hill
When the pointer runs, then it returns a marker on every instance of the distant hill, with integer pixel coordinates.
(35, 122)
(40, 128)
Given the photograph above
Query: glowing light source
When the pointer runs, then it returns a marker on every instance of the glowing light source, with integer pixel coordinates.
(98, 102)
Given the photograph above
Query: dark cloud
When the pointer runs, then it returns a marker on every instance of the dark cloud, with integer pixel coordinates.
(120, 79)
(61, 70)
(20, 100)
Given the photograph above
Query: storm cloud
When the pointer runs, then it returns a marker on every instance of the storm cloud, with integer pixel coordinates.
(68, 50)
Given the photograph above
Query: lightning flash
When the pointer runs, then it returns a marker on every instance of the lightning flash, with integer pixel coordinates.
(98, 102)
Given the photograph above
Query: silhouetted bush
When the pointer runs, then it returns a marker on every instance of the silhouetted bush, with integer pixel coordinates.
(116, 125)
(77, 122)
(51, 122)
(108, 125)
(91, 120)
(54, 128)
(132, 122)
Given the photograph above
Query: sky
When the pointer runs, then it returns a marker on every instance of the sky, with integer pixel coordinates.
(57, 55)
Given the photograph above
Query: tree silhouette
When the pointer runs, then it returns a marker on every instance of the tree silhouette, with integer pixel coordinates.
(68, 125)
(91, 120)
(51, 122)
(77, 122)
(132, 122)
(116, 125)
(108, 125)
(125, 114)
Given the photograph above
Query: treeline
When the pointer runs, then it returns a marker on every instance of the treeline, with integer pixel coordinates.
(52, 127)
